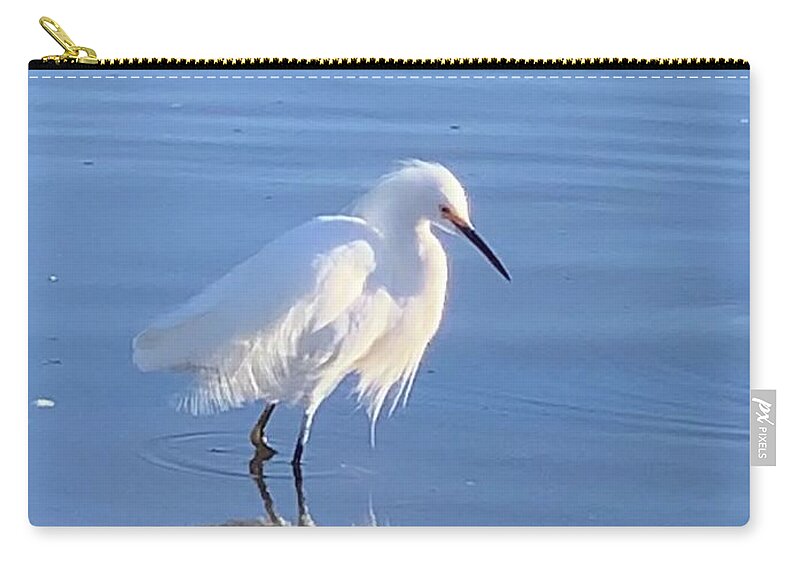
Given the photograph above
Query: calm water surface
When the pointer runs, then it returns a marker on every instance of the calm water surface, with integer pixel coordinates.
(607, 384)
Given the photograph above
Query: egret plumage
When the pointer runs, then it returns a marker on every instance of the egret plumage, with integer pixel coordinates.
(357, 294)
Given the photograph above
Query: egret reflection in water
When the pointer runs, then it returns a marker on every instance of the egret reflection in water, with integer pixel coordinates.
(262, 455)
(224, 455)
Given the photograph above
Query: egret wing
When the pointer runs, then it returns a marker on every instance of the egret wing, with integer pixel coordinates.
(248, 335)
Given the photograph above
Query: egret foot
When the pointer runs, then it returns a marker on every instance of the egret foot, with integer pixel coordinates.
(262, 454)
(257, 437)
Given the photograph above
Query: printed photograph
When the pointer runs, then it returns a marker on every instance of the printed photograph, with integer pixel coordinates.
(388, 298)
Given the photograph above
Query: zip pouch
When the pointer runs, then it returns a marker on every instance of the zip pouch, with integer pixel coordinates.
(239, 269)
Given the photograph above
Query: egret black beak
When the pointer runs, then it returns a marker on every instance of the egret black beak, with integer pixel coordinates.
(473, 236)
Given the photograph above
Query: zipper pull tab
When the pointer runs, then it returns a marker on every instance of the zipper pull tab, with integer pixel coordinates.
(72, 52)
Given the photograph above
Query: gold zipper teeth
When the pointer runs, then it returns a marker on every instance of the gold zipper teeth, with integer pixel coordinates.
(75, 55)
(369, 62)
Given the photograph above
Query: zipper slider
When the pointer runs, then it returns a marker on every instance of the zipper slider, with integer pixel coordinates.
(72, 52)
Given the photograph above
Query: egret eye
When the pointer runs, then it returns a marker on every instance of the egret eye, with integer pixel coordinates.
(445, 210)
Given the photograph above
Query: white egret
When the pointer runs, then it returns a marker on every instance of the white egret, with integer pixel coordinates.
(356, 294)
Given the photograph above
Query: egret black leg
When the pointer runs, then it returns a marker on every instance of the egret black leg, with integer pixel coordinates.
(302, 438)
(257, 433)
(298, 453)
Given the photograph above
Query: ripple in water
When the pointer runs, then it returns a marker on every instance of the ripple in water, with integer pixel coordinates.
(225, 454)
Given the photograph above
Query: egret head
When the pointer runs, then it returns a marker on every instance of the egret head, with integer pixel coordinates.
(423, 191)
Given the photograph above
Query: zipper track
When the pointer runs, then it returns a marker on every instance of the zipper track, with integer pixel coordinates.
(390, 63)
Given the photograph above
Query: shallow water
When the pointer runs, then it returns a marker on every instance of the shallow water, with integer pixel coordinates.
(607, 384)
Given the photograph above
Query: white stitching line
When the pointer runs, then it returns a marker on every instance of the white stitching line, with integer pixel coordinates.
(393, 77)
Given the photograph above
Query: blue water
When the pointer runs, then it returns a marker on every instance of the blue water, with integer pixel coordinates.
(607, 384)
